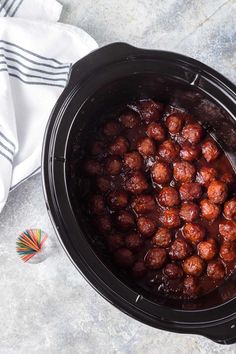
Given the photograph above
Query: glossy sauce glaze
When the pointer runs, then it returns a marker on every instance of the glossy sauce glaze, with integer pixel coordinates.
(158, 188)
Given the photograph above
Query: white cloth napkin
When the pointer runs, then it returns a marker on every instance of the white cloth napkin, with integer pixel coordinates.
(35, 60)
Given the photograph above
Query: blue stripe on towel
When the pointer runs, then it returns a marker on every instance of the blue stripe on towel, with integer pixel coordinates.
(17, 8)
(7, 140)
(7, 157)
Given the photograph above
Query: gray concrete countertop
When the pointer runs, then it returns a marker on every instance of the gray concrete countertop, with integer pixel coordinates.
(49, 307)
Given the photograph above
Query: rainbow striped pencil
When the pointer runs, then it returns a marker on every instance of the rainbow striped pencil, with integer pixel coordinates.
(29, 243)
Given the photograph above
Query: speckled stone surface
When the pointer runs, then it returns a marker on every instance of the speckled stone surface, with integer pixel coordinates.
(49, 307)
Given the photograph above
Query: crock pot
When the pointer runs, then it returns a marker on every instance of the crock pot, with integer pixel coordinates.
(108, 76)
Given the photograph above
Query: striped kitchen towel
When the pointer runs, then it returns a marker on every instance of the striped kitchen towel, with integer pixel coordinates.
(36, 55)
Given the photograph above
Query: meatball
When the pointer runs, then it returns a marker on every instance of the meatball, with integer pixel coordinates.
(230, 209)
(97, 147)
(115, 241)
(193, 232)
(124, 220)
(143, 204)
(193, 265)
(136, 184)
(133, 161)
(124, 258)
(189, 152)
(117, 200)
(169, 150)
(92, 168)
(227, 229)
(216, 270)
(191, 287)
(129, 119)
(193, 133)
(228, 251)
(155, 258)
(119, 146)
(184, 171)
(210, 150)
(138, 270)
(113, 166)
(173, 271)
(146, 147)
(161, 173)
(217, 192)
(227, 177)
(207, 250)
(189, 211)
(96, 204)
(156, 131)
(170, 218)
(162, 237)
(190, 191)
(206, 175)
(103, 184)
(111, 128)
(150, 111)
(168, 197)
(133, 241)
(209, 210)
(180, 249)
(104, 224)
(146, 226)
(175, 122)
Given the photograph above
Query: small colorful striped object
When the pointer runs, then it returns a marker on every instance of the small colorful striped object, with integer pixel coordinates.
(29, 243)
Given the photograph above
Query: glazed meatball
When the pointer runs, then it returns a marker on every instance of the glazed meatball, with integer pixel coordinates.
(146, 147)
(133, 161)
(168, 197)
(96, 204)
(104, 224)
(193, 232)
(190, 191)
(216, 270)
(227, 177)
(217, 192)
(119, 146)
(210, 211)
(136, 184)
(111, 128)
(191, 287)
(193, 265)
(189, 152)
(146, 226)
(210, 150)
(150, 111)
(169, 150)
(113, 166)
(129, 119)
(97, 147)
(155, 258)
(184, 171)
(156, 131)
(162, 237)
(193, 133)
(103, 184)
(189, 211)
(170, 218)
(143, 204)
(180, 249)
(117, 200)
(175, 122)
(124, 258)
(230, 209)
(115, 241)
(227, 229)
(207, 250)
(138, 270)
(133, 241)
(92, 168)
(228, 251)
(161, 173)
(124, 220)
(206, 175)
(173, 271)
